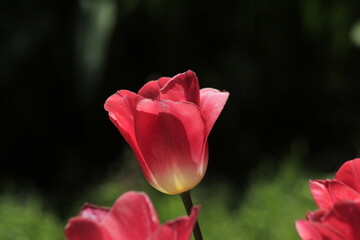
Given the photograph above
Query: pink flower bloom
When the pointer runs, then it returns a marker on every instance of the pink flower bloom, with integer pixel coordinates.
(167, 126)
(341, 222)
(132, 217)
(345, 186)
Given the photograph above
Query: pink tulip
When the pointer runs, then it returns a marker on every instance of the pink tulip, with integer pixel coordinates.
(341, 222)
(345, 186)
(132, 217)
(167, 125)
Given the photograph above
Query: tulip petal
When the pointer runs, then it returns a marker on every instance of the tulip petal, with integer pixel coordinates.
(79, 228)
(132, 217)
(182, 87)
(320, 194)
(345, 217)
(212, 102)
(171, 138)
(178, 229)
(315, 216)
(339, 191)
(340, 222)
(349, 174)
(316, 231)
(93, 212)
(152, 88)
(121, 107)
(327, 193)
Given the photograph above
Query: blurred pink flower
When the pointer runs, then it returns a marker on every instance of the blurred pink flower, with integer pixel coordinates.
(167, 125)
(132, 217)
(345, 186)
(341, 222)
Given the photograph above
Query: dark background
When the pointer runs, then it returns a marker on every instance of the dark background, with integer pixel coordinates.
(291, 67)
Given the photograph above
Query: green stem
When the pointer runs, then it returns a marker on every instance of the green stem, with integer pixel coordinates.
(186, 199)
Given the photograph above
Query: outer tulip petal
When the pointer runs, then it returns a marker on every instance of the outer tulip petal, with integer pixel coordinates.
(79, 228)
(320, 193)
(178, 229)
(212, 102)
(307, 231)
(171, 138)
(316, 231)
(182, 87)
(349, 174)
(152, 88)
(327, 193)
(121, 107)
(132, 217)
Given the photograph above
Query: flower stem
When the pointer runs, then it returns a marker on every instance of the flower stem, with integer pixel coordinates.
(186, 199)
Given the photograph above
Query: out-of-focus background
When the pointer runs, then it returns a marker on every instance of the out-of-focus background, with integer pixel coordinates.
(292, 69)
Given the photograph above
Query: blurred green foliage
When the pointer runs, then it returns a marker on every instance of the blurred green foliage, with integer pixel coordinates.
(27, 219)
(267, 210)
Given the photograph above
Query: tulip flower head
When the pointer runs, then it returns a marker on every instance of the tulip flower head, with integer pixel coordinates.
(132, 217)
(340, 222)
(167, 124)
(339, 201)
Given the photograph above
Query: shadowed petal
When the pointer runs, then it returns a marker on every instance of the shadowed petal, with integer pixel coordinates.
(171, 137)
(349, 174)
(315, 216)
(152, 88)
(212, 102)
(345, 217)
